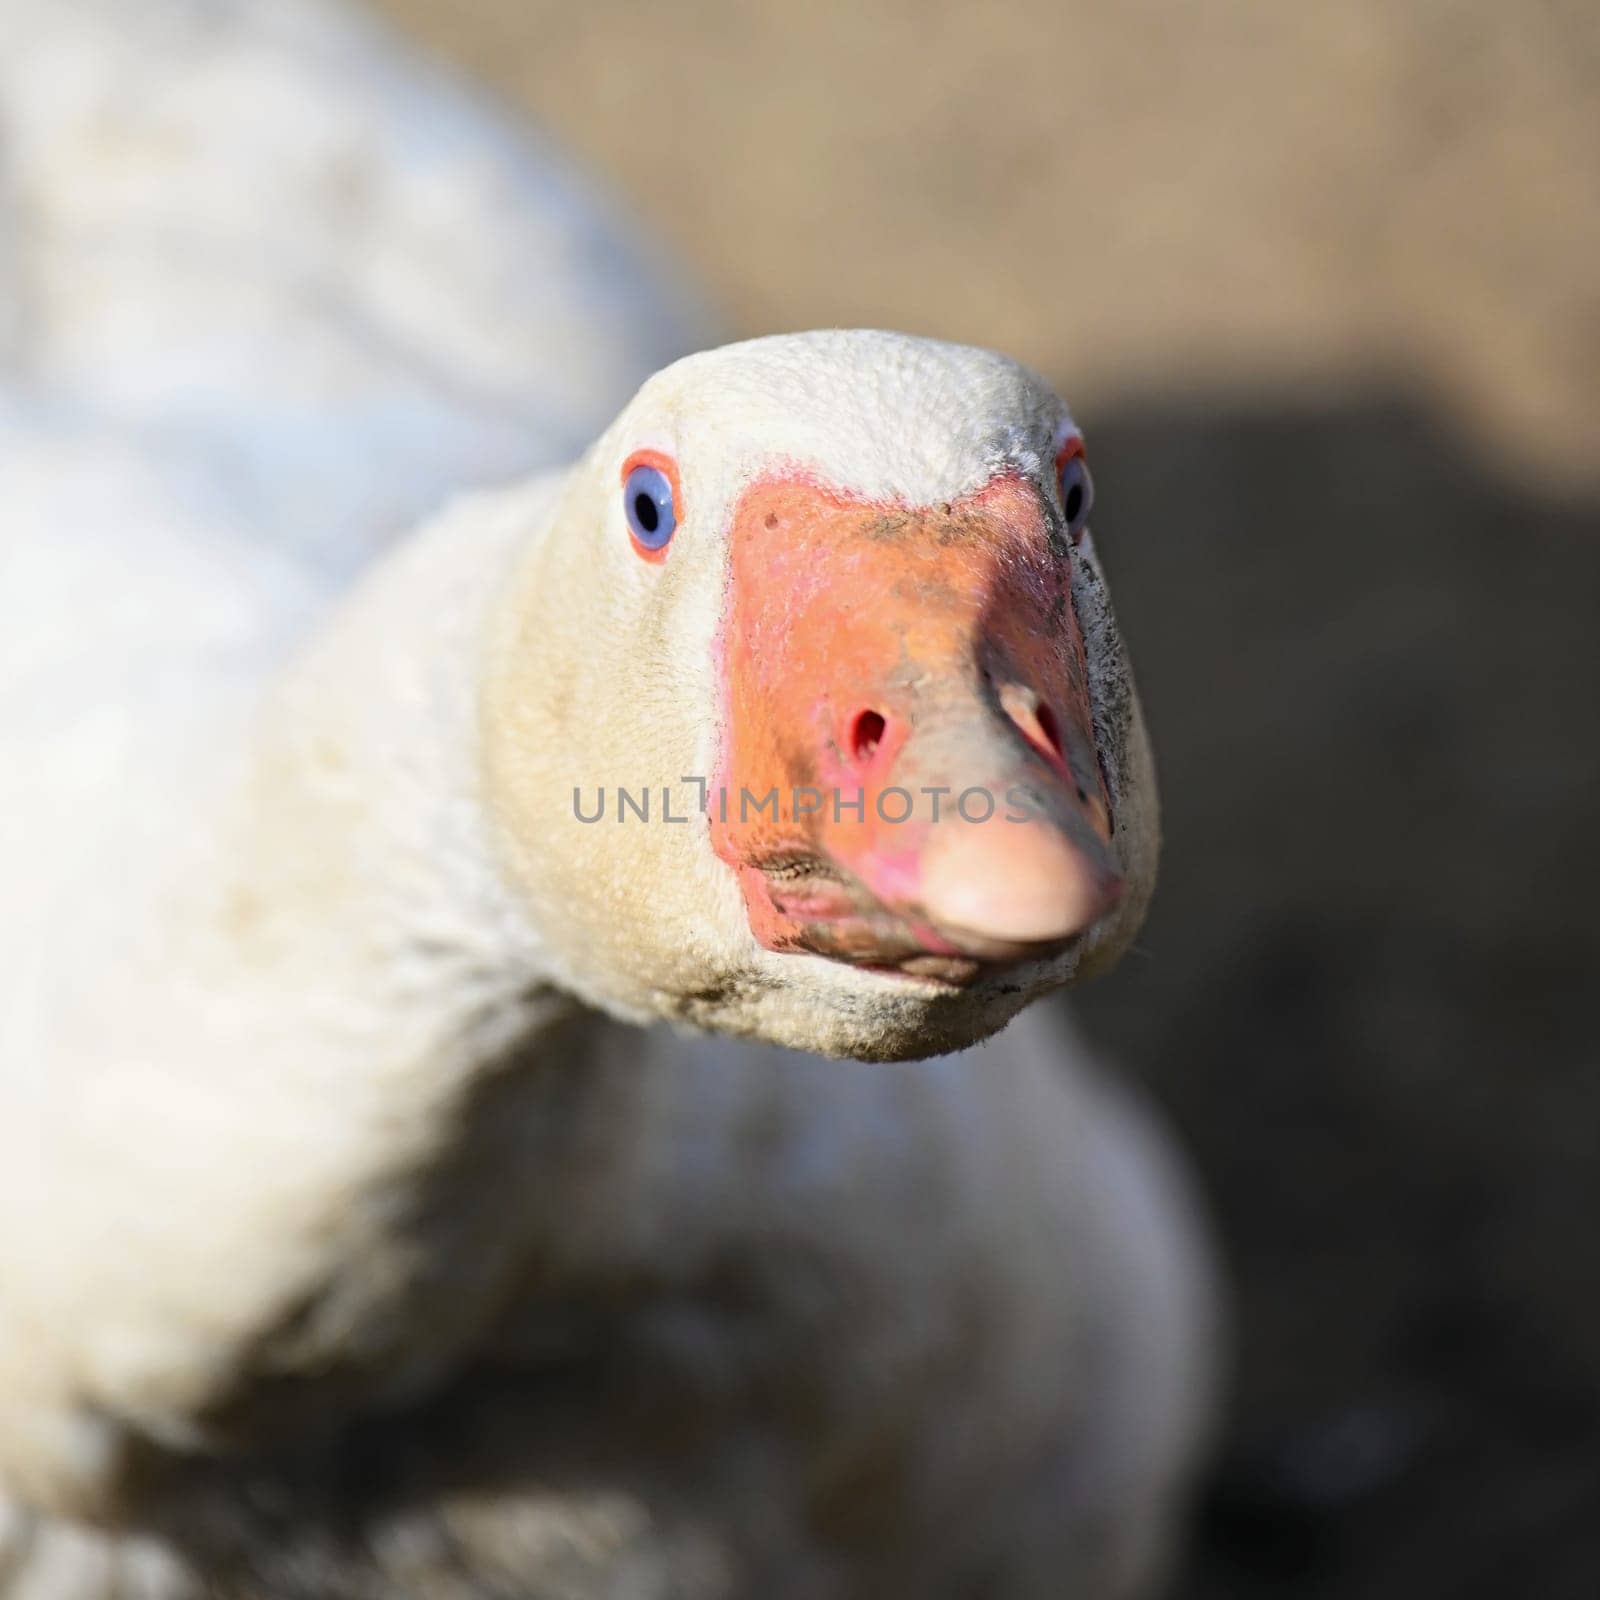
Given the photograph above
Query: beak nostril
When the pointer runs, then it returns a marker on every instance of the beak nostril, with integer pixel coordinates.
(866, 735)
(1035, 720)
(1050, 728)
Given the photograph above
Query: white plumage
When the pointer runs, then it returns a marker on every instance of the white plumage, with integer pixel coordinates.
(341, 1251)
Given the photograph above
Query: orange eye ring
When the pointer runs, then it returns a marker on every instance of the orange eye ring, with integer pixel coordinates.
(652, 502)
(1074, 486)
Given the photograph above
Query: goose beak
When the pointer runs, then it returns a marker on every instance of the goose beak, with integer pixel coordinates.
(909, 774)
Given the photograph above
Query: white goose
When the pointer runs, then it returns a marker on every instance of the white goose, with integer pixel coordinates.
(346, 1247)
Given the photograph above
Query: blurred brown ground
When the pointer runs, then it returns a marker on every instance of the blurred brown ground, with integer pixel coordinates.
(1323, 284)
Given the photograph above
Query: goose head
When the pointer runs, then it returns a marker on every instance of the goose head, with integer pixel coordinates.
(807, 715)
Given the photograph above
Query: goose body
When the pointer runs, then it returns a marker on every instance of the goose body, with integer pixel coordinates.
(364, 1225)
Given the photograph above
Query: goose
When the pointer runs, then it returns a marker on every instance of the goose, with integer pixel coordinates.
(510, 1080)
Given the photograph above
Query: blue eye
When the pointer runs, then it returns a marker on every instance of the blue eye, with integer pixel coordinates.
(647, 499)
(1077, 495)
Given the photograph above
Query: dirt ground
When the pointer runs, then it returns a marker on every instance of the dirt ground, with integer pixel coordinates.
(1323, 283)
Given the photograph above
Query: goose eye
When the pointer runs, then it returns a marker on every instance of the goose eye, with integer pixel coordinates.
(651, 508)
(1077, 495)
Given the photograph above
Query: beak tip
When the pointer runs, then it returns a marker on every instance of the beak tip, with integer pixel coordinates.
(1022, 883)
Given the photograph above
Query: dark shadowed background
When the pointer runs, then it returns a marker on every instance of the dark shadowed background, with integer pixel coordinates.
(1323, 284)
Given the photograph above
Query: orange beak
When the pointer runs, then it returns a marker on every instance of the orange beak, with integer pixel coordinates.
(908, 776)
